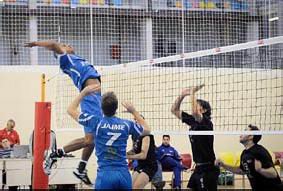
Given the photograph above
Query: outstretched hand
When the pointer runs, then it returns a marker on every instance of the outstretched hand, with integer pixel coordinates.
(90, 89)
(129, 106)
(197, 88)
(189, 91)
(30, 44)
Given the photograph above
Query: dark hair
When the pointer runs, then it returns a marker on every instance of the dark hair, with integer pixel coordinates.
(256, 138)
(166, 136)
(205, 105)
(12, 121)
(109, 104)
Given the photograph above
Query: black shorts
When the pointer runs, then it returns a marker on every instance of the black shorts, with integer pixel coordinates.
(149, 169)
(204, 178)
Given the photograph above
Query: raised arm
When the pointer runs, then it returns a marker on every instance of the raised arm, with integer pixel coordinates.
(195, 107)
(56, 47)
(144, 150)
(73, 110)
(131, 109)
(175, 109)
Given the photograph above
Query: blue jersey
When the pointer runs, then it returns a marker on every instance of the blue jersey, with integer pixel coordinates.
(78, 69)
(111, 135)
(167, 151)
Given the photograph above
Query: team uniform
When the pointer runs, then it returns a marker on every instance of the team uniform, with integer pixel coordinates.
(257, 181)
(149, 164)
(206, 173)
(111, 135)
(79, 70)
(170, 159)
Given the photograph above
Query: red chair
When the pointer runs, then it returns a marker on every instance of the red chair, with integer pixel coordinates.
(186, 160)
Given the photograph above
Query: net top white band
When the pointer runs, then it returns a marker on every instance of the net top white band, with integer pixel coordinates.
(194, 132)
(201, 53)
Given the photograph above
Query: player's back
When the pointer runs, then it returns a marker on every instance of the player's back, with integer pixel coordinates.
(78, 69)
(111, 137)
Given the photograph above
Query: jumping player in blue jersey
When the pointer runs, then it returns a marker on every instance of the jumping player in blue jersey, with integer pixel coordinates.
(82, 74)
(110, 134)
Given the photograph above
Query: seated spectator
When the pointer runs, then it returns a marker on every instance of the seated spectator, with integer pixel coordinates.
(6, 144)
(10, 134)
(5, 152)
(170, 159)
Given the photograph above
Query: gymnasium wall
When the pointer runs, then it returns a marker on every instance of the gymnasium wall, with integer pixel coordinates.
(20, 89)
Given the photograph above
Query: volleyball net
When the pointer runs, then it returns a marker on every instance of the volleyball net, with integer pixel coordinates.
(243, 83)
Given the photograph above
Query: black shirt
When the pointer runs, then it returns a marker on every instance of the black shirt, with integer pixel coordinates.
(257, 181)
(151, 156)
(202, 145)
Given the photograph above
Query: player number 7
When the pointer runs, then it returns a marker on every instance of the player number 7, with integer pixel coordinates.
(114, 137)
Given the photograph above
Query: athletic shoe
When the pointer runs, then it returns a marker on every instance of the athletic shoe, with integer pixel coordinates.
(48, 162)
(82, 176)
(159, 185)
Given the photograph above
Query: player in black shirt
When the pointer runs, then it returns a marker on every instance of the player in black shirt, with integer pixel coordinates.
(144, 152)
(256, 163)
(206, 173)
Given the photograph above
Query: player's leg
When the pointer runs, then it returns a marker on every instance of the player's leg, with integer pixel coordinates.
(81, 171)
(194, 182)
(125, 181)
(134, 176)
(77, 144)
(170, 163)
(210, 178)
(104, 180)
(90, 104)
(140, 181)
(145, 175)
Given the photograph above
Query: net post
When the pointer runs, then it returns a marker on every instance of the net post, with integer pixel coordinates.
(41, 138)
(41, 143)
(42, 86)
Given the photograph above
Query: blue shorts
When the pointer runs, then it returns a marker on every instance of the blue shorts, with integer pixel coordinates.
(91, 104)
(116, 179)
(90, 73)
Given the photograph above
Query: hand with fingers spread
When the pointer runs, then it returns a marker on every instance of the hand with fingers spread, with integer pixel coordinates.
(90, 89)
(189, 91)
(129, 106)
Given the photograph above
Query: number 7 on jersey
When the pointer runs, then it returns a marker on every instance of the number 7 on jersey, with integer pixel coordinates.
(114, 137)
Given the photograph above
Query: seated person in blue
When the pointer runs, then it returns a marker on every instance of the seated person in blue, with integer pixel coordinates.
(170, 159)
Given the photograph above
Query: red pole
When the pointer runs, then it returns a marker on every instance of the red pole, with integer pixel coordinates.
(41, 143)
